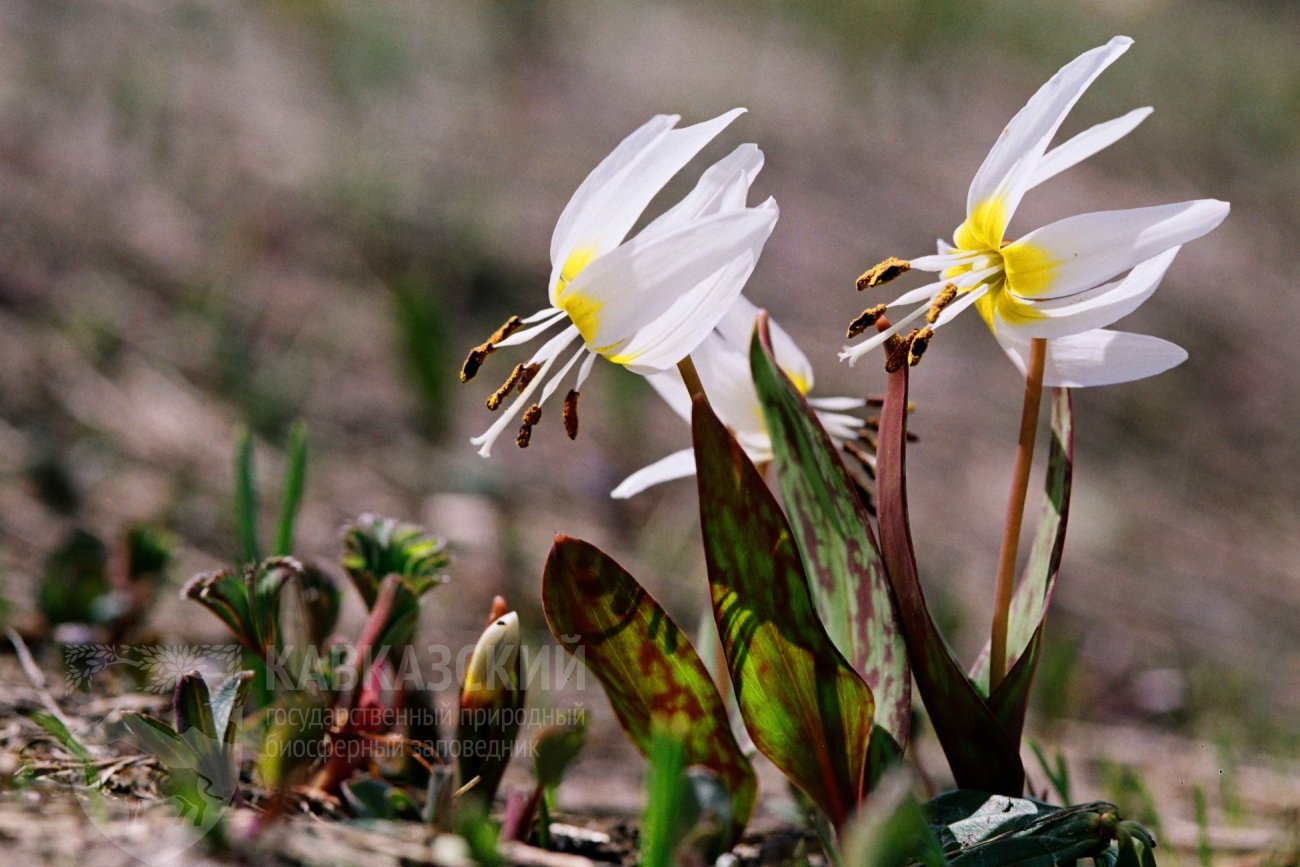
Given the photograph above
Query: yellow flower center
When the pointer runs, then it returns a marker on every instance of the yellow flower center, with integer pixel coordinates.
(583, 310)
(1024, 270)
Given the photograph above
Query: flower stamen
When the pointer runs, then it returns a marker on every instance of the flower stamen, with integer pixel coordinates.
(865, 320)
(479, 353)
(917, 343)
(942, 300)
(571, 414)
(532, 416)
(495, 398)
(883, 272)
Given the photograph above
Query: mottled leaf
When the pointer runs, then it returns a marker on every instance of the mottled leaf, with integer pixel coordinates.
(649, 670)
(1034, 593)
(979, 751)
(836, 542)
(803, 704)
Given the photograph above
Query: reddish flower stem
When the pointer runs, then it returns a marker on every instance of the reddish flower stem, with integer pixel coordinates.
(1016, 511)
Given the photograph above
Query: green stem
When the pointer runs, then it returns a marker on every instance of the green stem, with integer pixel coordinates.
(1016, 511)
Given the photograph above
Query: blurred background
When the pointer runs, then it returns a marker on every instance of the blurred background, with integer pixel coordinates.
(215, 213)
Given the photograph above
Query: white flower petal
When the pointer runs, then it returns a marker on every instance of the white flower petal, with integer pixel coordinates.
(657, 296)
(608, 211)
(670, 387)
(628, 151)
(1098, 307)
(1007, 170)
(677, 465)
(1085, 144)
(1081, 252)
(737, 328)
(1098, 357)
(724, 186)
(836, 404)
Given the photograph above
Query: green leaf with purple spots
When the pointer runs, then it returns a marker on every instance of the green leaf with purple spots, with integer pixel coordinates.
(803, 704)
(651, 673)
(836, 542)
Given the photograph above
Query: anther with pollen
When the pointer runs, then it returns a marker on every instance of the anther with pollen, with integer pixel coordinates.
(527, 376)
(916, 346)
(571, 414)
(532, 416)
(896, 351)
(878, 275)
(495, 398)
(865, 320)
(942, 300)
(479, 353)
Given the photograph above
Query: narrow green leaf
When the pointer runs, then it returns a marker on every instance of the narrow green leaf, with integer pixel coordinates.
(979, 752)
(648, 668)
(670, 808)
(192, 707)
(159, 740)
(376, 547)
(836, 542)
(555, 748)
(295, 472)
(227, 702)
(245, 497)
(804, 705)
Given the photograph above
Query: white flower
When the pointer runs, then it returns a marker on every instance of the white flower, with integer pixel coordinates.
(722, 361)
(1051, 282)
(644, 303)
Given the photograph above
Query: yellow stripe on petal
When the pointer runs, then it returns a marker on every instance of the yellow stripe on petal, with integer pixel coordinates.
(984, 228)
(1030, 269)
(800, 382)
(584, 311)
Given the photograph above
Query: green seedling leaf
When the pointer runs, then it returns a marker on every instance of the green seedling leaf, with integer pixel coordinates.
(651, 673)
(321, 603)
(245, 497)
(370, 798)
(266, 582)
(671, 809)
(555, 748)
(228, 702)
(376, 547)
(70, 742)
(290, 746)
(979, 751)
(803, 704)
(192, 707)
(226, 595)
(295, 472)
(891, 829)
(490, 701)
(75, 581)
(159, 740)
(839, 549)
(1034, 593)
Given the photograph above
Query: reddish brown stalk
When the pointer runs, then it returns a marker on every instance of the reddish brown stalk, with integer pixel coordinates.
(690, 376)
(1016, 511)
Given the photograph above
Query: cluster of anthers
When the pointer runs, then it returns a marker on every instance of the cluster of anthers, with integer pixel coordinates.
(518, 380)
(899, 348)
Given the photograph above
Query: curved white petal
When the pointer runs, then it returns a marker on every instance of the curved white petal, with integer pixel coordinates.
(737, 328)
(724, 186)
(1085, 144)
(836, 404)
(1098, 357)
(607, 210)
(1084, 251)
(659, 295)
(670, 387)
(677, 465)
(1012, 162)
(628, 151)
(1098, 307)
